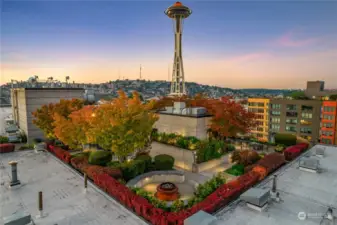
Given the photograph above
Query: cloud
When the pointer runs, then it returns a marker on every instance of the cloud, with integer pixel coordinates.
(289, 40)
(249, 57)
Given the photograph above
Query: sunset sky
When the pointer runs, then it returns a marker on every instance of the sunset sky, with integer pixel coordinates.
(236, 44)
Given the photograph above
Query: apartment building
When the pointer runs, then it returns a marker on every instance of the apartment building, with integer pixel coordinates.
(260, 106)
(27, 100)
(298, 117)
(328, 134)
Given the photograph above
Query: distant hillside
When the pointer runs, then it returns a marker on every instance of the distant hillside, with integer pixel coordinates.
(262, 91)
(161, 88)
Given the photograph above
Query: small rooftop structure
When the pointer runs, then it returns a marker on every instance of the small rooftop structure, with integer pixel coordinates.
(309, 164)
(256, 198)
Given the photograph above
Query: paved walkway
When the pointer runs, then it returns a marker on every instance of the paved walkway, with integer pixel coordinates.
(64, 199)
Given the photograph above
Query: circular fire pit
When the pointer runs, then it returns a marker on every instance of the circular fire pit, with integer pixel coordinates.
(167, 191)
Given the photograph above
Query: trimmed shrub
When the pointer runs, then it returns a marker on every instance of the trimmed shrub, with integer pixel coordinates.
(163, 162)
(3, 139)
(230, 147)
(132, 169)
(114, 164)
(292, 152)
(236, 170)
(147, 160)
(285, 139)
(100, 158)
(8, 147)
(26, 146)
(246, 157)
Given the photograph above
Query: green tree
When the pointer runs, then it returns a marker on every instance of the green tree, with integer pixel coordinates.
(298, 95)
(333, 97)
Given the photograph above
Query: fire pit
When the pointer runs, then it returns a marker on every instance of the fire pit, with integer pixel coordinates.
(167, 191)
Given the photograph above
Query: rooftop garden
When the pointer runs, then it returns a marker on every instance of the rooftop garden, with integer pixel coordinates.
(205, 149)
(121, 129)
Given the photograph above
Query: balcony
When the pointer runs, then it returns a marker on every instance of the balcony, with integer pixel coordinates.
(291, 114)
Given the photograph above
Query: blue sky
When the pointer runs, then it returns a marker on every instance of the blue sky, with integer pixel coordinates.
(228, 39)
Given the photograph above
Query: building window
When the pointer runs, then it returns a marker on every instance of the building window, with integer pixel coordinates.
(275, 127)
(260, 129)
(305, 122)
(291, 128)
(307, 115)
(275, 113)
(305, 130)
(328, 125)
(326, 141)
(275, 120)
(259, 135)
(328, 117)
(291, 107)
(329, 109)
(291, 121)
(327, 133)
(276, 106)
(291, 114)
(261, 117)
(307, 108)
(259, 123)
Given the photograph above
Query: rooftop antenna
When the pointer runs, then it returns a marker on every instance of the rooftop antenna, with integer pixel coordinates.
(140, 72)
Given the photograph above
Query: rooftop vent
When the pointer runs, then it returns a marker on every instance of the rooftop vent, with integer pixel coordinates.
(256, 198)
(320, 152)
(309, 164)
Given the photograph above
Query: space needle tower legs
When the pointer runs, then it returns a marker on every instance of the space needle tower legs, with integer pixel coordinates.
(178, 12)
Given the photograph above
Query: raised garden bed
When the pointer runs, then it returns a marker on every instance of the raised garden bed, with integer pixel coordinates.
(210, 198)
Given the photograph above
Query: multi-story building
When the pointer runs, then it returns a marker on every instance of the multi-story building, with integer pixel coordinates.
(260, 106)
(298, 117)
(328, 134)
(27, 100)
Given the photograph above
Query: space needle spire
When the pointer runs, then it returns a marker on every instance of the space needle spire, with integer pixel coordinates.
(178, 12)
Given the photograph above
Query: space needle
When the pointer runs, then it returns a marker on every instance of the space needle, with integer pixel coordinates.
(178, 12)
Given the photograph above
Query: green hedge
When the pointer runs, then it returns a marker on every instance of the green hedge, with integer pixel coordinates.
(3, 139)
(132, 169)
(210, 150)
(147, 160)
(236, 170)
(285, 139)
(100, 158)
(188, 142)
(163, 162)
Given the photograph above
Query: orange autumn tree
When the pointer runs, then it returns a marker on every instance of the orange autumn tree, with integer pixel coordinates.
(76, 129)
(124, 124)
(44, 116)
(228, 117)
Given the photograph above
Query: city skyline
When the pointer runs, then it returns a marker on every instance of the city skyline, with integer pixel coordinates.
(229, 44)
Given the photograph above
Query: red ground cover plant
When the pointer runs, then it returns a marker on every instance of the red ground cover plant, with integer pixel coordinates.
(8, 147)
(103, 178)
(271, 162)
(292, 152)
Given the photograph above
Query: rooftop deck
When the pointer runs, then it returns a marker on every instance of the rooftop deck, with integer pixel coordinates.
(64, 198)
(300, 191)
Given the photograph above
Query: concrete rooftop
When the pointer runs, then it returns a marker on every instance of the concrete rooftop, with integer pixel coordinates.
(65, 201)
(300, 191)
